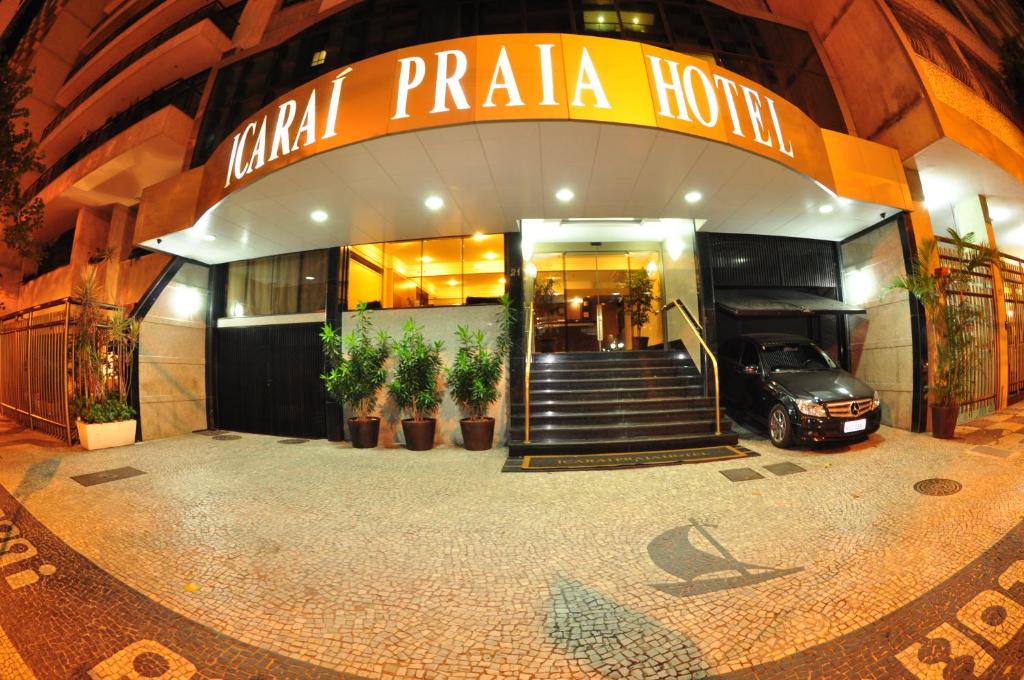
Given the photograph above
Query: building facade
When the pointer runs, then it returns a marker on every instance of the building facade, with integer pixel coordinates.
(240, 173)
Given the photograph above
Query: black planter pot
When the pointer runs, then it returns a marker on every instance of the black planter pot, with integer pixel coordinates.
(419, 434)
(944, 421)
(477, 435)
(640, 342)
(364, 432)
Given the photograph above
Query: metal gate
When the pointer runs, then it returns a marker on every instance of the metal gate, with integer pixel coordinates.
(983, 357)
(1013, 291)
(35, 368)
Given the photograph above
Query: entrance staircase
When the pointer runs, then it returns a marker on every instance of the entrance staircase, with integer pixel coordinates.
(604, 402)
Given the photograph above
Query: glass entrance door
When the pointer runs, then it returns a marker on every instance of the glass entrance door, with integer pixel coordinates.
(582, 301)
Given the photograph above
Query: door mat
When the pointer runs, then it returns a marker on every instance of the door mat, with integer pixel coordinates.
(608, 461)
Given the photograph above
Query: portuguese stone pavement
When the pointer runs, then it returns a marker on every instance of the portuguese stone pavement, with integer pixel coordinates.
(205, 557)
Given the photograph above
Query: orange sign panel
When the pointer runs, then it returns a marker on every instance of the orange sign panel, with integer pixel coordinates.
(516, 77)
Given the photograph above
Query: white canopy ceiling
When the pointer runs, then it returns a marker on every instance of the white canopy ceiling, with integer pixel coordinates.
(490, 175)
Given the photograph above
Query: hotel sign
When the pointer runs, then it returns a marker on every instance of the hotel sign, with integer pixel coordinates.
(516, 77)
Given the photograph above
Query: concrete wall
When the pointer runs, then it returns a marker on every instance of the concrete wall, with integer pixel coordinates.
(172, 357)
(881, 349)
(679, 263)
(438, 323)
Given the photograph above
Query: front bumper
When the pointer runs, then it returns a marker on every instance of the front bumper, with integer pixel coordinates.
(815, 430)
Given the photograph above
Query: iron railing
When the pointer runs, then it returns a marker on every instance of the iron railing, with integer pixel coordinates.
(698, 330)
(113, 31)
(1013, 296)
(526, 379)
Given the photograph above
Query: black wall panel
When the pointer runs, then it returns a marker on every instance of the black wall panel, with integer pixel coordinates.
(268, 380)
(754, 261)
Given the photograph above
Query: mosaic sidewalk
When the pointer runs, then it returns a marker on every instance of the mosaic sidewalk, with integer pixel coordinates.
(902, 557)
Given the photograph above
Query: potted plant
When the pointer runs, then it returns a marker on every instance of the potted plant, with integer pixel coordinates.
(639, 303)
(414, 387)
(474, 376)
(102, 358)
(950, 318)
(356, 373)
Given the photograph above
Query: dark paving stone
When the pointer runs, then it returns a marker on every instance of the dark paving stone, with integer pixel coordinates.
(208, 433)
(741, 474)
(227, 437)
(781, 469)
(984, 436)
(292, 441)
(104, 476)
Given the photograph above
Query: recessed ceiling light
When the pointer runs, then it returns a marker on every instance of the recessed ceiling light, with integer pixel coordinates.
(600, 19)
(311, 278)
(826, 209)
(452, 282)
(318, 216)
(693, 197)
(434, 202)
(426, 258)
(490, 256)
(636, 20)
(209, 237)
(564, 194)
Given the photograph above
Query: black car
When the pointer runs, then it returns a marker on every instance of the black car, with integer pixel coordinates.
(787, 383)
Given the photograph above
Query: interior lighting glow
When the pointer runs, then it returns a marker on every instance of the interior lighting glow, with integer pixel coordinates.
(318, 216)
(999, 214)
(693, 197)
(187, 301)
(209, 237)
(490, 256)
(826, 209)
(636, 20)
(502, 281)
(565, 194)
(452, 282)
(237, 310)
(434, 202)
(531, 270)
(311, 278)
(577, 301)
(478, 236)
(674, 246)
(651, 268)
(600, 19)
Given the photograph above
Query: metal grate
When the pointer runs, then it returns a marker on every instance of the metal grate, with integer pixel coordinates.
(849, 409)
(983, 355)
(938, 487)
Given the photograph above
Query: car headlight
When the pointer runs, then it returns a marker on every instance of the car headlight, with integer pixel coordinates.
(811, 408)
(875, 401)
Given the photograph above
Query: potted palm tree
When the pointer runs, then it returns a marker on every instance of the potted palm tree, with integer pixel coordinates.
(941, 290)
(474, 376)
(639, 304)
(356, 373)
(414, 387)
(102, 358)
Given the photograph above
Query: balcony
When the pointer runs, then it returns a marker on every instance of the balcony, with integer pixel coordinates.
(143, 128)
(189, 46)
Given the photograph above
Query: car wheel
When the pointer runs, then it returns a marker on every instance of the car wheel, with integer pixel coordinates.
(780, 429)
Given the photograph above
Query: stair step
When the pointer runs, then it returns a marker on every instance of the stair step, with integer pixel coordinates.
(543, 382)
(609, 373)
(613, 404)
(622, 393)
(584, 364)
(624, 416)
(590, 432)
(518, 449)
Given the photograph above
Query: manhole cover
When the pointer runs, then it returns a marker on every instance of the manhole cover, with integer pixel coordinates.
(292, 441)
(938, 487)
(226, 437)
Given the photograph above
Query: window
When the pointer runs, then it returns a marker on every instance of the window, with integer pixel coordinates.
(318, 58)
(427, 273)
(281, 284)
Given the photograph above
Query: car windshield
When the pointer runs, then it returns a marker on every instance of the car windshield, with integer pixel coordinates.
(796, 357)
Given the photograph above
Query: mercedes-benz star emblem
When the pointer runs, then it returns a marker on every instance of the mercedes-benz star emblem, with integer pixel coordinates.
(854, 408)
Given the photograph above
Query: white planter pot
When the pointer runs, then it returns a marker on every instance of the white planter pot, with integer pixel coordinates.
(105, 435)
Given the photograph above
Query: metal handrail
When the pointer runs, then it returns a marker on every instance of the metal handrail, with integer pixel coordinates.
(526, 379)
(697, 329)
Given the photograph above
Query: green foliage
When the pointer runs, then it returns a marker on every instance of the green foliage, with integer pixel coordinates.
(110, 410)
(639, 298)
(951, 316)
(102, 351)
(414, 388)
(355, 363)
(473, 377)
(20, 214)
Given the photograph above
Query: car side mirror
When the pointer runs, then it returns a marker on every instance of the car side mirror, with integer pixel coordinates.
(752, 370)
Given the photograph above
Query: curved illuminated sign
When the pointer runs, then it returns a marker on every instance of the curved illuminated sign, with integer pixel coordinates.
(516, 77)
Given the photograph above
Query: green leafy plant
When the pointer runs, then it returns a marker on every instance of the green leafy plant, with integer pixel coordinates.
(20, 214)
(356, 364)
(950, 315)
(474, 375)
(105, 340)
(639, 299)
(414, 388)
